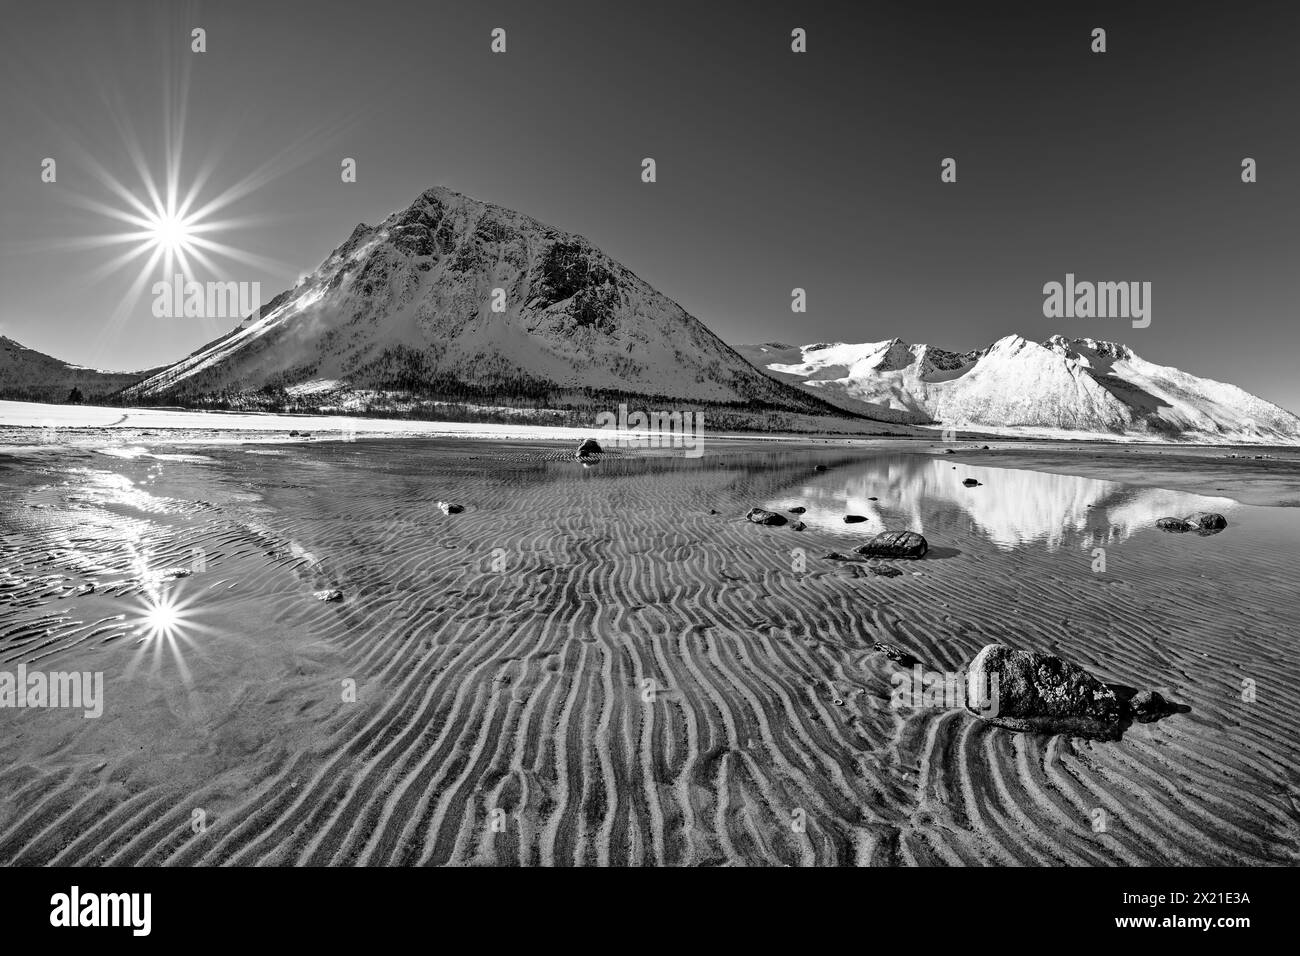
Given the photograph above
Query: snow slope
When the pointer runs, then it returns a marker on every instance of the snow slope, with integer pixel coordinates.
(408, 304)
(1060, 386)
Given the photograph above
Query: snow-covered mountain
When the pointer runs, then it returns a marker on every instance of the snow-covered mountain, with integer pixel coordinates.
(1080, 386)
(29, 375)
(408, 304)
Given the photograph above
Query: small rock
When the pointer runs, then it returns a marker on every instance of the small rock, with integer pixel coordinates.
(949, 451)
(896, 653)
(836, 556)
(330, 596)
(895, 544)
(1173, 524)
(985, 448)
(589, 446)
(448, 508)
(884, 570)
(1149, 705)
(853, 519)
(798, 526)
(820, 468)
(798, 510)
(873, 499)
(970, 483)
(760, 516)
(293, 434)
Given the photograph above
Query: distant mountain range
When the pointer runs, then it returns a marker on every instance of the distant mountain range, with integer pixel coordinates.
(454, 300)
(1060, 386)
(32, 376)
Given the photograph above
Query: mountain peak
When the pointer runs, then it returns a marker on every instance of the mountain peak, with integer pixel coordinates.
(1056, 387)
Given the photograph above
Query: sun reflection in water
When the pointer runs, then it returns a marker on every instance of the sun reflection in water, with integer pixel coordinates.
(166, 627)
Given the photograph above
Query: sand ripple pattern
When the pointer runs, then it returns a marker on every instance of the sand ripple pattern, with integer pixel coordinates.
(587, 667)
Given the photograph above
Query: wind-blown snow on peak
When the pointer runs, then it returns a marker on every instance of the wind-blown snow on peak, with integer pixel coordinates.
(1062, 385)
(453, 297)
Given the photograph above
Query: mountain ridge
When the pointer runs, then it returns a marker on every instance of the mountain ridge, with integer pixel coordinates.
(1068, 385)
(456, 297)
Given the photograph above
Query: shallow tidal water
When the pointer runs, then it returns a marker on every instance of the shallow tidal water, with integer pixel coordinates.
(608, 664)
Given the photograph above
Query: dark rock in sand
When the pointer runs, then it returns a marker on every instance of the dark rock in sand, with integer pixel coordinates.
(1173, 524)
(853, 519)
(1041, 693)
(1207, 521)
(1149, 705)
(820, 468)
(447, 508)
(949, 451)
(884, 570)
(970, 483)
(759, 516)
(293, 434)
(331, 596)
(873, 499)
(836, 556)
(798, 526)
(895, 544)
(896, 653)
(589, 446)
(798, 510)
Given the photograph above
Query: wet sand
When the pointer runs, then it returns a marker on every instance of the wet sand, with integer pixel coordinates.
(591, 666)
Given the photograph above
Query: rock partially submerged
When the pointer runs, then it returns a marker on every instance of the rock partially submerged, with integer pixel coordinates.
(798, 510)
(970, 482)
(798, 526)
(1041, 693)
(588, 447)
(820, 468)
(762, 516)
(448, 508)
(330, 596)
(895, 544)
(854, 519)
(1204, 522)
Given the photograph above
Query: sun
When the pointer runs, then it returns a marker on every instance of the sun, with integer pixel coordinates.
(170, 233)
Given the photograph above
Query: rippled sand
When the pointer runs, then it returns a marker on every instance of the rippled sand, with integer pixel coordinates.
(588, 666)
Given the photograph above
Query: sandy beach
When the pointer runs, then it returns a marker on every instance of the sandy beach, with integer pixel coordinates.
(607, 664)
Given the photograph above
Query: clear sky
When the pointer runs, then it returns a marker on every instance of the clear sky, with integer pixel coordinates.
(775, 170)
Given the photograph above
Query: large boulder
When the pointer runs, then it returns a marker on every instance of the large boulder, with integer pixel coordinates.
(762, 516)
(1041, 693)
(588, 447)
(895, 544)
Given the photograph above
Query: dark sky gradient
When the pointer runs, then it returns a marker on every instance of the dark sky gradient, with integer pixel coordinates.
(775, 170)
